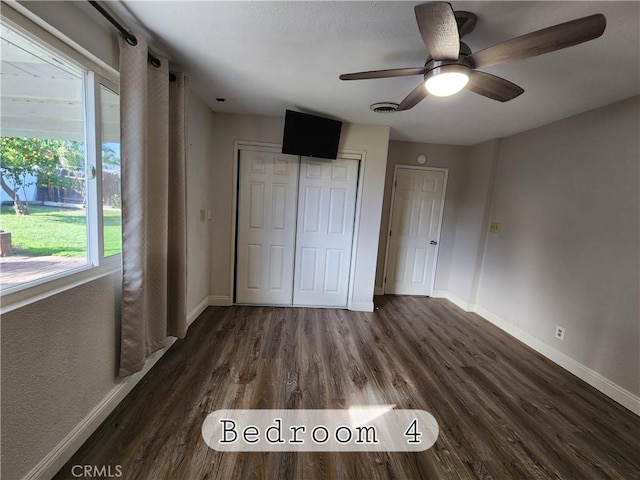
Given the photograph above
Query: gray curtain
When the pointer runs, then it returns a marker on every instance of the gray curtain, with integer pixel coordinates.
(153, 155)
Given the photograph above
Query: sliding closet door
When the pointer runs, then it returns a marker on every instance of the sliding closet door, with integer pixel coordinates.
(268, 184)
(326, 207)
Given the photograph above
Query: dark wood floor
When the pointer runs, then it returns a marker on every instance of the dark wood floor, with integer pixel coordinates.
(503, 410)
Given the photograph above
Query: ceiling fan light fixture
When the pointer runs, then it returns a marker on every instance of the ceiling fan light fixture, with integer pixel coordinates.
(446, 80)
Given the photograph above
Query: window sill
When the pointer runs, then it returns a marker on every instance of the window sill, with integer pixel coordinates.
(28, 293)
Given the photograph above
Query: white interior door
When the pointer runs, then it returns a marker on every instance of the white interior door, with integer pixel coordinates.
(416, 214)
(326, 207)
(268, 187)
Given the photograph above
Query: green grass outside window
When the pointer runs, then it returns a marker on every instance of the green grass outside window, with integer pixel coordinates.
(57, 231)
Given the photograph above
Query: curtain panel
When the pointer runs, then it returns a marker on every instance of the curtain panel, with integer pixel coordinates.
(153, 165)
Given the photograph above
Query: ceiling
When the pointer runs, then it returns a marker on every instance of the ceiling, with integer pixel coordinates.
(265, 57)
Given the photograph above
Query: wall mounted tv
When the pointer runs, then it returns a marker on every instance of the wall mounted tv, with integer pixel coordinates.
(310, 136)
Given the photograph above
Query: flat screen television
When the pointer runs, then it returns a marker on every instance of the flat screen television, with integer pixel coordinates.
(310, 136)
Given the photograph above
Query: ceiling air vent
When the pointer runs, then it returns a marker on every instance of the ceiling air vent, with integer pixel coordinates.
(384, 107)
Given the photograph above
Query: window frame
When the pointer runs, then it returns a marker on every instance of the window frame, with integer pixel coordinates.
(96, 74)
(95, 220)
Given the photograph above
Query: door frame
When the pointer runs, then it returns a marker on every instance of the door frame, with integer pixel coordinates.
(277, 148)
(397, 167)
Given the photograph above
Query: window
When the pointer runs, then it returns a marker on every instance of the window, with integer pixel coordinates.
(110, 156)
(59, 164)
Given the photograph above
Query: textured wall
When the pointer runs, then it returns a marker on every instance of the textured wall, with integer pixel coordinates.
(473, 204)
(58, 362)
(374, 140)
(442, 156)
(198, 198)
(567, 198)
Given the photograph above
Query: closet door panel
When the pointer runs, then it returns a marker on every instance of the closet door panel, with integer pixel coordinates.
(326, 208)
(267, 196)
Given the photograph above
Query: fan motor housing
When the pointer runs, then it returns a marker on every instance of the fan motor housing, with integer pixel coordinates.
(466, 22)
(435, 65)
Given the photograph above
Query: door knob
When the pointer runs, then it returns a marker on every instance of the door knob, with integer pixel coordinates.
(433, 242)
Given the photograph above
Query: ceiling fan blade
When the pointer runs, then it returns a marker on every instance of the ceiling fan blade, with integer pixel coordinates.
(439, 30)
(416, 96)
(542, 41)
(394, 72)
(493, 87)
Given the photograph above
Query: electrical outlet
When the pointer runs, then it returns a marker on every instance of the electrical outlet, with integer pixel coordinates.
(494, 228)
(560, 333)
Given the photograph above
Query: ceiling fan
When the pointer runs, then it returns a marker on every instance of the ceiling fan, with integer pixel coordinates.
(451, 66)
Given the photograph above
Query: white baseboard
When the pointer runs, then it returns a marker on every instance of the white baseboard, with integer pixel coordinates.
(361, 306)
(56, 458)
(225, 301)
(459, 302)
(220, 301)
(195, 313)
(593, 378)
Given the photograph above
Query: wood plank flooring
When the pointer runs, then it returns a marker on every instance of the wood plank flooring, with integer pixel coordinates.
(504, 411)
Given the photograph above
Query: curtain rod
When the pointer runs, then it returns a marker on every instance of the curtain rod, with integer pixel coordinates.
(128, 36)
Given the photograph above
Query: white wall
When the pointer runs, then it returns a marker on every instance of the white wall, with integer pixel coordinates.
(59, 354)
(374, 141)
(58, 363)
(567, 198)
(370, 139)
(201, 144)
(474, 203)
(450, 157)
